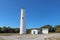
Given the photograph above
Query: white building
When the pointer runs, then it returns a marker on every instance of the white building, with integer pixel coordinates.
(45, 30)
(35, 31)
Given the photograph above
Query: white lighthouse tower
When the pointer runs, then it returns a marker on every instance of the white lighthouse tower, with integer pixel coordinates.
(22, 22)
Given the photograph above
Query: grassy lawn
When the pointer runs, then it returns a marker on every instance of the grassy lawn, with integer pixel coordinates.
(8, 34)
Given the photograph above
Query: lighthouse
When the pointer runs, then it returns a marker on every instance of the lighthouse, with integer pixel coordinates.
(22, 22)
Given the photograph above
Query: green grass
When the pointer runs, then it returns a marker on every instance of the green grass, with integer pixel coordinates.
(8, 34)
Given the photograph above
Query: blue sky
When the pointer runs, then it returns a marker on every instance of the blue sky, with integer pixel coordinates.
(38, 12)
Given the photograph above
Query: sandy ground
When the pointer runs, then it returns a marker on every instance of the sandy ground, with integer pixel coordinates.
(30, 37)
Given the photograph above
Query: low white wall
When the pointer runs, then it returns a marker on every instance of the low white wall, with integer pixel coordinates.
(32, 31)
(45, 30)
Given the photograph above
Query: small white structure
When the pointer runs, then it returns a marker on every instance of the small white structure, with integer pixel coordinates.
(45, 30)
(34, 31)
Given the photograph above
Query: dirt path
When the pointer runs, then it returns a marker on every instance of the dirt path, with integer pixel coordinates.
(28, 37)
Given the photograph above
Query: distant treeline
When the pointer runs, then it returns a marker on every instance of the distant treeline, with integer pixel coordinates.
(5, 29)
(55, 29)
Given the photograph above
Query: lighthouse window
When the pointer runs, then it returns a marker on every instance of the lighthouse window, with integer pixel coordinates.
(22, 17)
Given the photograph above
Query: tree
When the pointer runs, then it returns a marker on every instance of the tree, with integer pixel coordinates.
(57, 28)
(28, 31)
(9, 30)
(0, 30)
(16, 30)
(4, 29)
